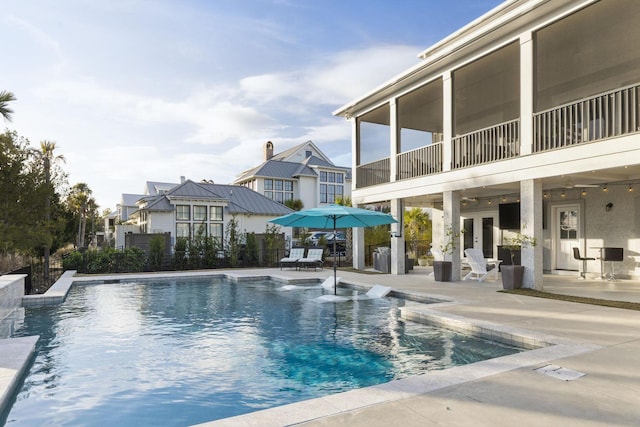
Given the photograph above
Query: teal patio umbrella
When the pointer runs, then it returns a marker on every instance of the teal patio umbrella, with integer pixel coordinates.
(334, 217)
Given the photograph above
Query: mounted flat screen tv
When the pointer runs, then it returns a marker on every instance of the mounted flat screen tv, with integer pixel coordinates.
(509, 216)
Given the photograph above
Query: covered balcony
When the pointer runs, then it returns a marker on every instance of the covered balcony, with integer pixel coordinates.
(581, 85)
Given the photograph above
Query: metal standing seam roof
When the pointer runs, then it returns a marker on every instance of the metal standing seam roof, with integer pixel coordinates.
(158, 204)
(245, 200)
(239, 199)
(131, 199)
(279, 169)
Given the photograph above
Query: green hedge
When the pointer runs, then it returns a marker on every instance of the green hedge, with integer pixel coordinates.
(107, 260)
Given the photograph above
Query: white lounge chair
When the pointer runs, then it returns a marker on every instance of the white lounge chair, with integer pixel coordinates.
(377, 291)
(327, 284)
(478, 264)
(292, 260)
(313, 259)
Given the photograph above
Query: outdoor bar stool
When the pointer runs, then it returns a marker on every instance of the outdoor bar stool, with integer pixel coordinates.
(611, 255)
(576, 255)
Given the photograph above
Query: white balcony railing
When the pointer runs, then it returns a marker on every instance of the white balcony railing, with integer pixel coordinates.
(486, 145)
(603, 116)
(420, 162)
(376, 172)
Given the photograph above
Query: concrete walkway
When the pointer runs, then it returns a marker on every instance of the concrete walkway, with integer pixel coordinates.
(608, 395)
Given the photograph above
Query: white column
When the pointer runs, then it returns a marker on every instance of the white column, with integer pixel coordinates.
(355, 151)
(437, 228)
(397, 238)
(358, 247)
(451, 218)
(393, 140)
(531, 224)
(447, 118)
(526, 94)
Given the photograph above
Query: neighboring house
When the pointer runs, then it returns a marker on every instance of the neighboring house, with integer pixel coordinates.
(184, 209)
(536, 102)
(120, 216)
(302, 172)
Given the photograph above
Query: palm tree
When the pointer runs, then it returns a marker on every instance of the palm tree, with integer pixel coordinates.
(5, 98)
(81, 202)
(48, 158)
(417, 226)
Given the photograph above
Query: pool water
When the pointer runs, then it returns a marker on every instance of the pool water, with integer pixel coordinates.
(183, 352)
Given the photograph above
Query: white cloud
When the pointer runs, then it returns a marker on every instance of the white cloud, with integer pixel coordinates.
(214, 131)
(339, 78)
(41, 37)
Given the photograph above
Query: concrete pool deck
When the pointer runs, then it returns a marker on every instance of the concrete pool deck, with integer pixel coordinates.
(602, 343)
(607, 395)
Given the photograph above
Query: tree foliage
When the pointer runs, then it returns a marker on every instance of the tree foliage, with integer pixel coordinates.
(5, 98)
(295, 204)
(81, 202)
(31, 216)
(417, 230)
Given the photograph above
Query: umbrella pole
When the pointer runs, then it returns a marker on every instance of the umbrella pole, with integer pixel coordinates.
(335, 266)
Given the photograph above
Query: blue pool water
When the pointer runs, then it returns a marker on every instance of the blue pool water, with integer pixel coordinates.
(183, 352)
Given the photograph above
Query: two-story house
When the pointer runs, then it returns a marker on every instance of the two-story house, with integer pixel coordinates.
(527, 119)
(302, 173)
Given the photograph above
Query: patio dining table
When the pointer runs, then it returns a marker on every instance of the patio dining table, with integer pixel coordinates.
(607, 253)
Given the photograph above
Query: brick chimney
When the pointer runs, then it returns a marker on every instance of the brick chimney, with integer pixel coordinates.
(268, 150)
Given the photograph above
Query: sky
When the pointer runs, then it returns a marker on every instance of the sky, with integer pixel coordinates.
(139, 90)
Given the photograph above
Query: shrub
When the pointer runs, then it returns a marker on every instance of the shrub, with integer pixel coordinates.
(180, 253)
(251, 249)
(156, 252)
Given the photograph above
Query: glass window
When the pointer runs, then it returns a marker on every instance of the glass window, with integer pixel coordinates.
(288, 185)
(278, 185)
(183, 212)
(215, 213)
(323, 177)
(200, 229)
(182, 229)
(323, 193)
(331, 193)
(199, 213)
(339, 190)
(339, 178)
(269, 194)
(288, 196)
(331, 176)
(215, 230)
(268, 184)
(279, 197)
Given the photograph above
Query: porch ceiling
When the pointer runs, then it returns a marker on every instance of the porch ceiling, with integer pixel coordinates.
(629, 174)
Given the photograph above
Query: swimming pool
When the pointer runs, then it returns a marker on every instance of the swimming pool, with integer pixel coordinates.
(180, 352)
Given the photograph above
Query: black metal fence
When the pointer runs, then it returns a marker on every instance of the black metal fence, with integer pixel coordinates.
(37, 282)
(127, 261)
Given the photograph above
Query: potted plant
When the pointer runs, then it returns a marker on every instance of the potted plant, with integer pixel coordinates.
(442, 268)
(512, 274)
